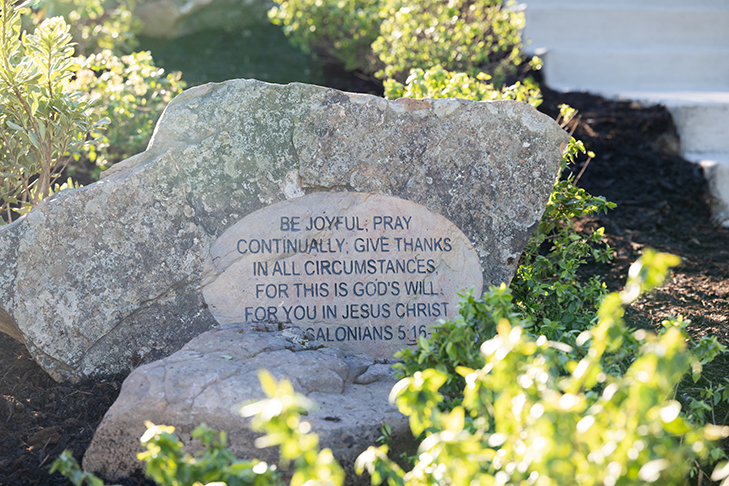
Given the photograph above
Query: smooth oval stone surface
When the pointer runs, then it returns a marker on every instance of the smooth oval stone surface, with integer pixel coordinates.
(365, 273)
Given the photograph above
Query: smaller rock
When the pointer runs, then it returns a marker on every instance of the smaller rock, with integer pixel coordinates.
(376, 372)
(208, 380)
(45, 437)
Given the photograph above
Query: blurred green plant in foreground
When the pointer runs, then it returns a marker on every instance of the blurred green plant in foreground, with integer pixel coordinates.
(523, 419)
(278, 416)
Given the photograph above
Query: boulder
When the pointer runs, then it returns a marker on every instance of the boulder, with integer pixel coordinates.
(175, 18)
(107, 277)
(208, 380)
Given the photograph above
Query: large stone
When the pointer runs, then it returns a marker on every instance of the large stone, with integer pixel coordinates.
(174, 18)
(207, 381)
(104, 278)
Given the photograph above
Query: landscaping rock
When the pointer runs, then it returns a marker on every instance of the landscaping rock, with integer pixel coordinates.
(174, 18)
(207, 381)
(107, 277)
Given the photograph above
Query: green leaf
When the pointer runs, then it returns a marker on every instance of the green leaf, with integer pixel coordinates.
(14, 126)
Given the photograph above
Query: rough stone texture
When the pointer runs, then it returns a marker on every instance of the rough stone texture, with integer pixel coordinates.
(99, 279)
(174, 18)
(211, 376)
(365, 273)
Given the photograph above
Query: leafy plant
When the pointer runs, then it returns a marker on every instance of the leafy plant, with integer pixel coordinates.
(454, 343)
(523, 422)
(436, 82)
(95, 24)
(167, 464)
(133, 92)
(44, 123)
(333, 30)
(546, 286)
(129, 88)
(469, 36)
(280, 417)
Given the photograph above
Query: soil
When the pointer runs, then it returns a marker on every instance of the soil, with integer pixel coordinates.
(661, 203)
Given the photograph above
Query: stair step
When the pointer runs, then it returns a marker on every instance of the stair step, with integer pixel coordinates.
(669, 52)
(616, 27)
(716, 172)
(702, 122)
(639, 4)
(701, 118)
(637, 69)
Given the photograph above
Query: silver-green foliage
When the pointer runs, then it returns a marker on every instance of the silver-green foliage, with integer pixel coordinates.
(43, 122)
(130, 89)
(95, 24)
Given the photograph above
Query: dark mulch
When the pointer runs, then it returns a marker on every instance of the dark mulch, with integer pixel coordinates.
(39, 418)
(661, 204)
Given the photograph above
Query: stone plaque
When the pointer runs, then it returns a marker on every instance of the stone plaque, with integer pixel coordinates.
(366, 273)
(96, 280)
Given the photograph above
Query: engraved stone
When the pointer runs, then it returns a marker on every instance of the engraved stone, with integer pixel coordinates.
(365, 273)
(103, 278)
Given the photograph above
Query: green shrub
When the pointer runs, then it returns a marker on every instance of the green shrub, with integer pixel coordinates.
(454, 343)
(436, 82)
(333, 30)
(546, 286)
(44, 123)
(468, 36)
(522, 421)
(133, 92)
(95, 24)
(393, 37)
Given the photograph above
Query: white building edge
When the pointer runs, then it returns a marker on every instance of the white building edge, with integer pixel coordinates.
(671, 52)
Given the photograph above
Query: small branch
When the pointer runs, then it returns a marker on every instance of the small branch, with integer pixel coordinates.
(582, 171)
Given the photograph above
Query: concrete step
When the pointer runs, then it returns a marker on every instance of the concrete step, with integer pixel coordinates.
(655, 4)
(702, 123)
(701, 118)
(625, 27)
(716, 172)
(584, 69)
